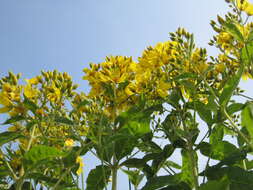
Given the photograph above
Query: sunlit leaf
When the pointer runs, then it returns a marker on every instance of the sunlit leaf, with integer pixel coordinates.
(230, 86)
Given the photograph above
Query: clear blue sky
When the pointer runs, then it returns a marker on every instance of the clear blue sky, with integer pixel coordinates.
(68, 34)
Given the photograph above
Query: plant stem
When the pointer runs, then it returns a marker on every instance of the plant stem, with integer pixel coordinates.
(115, 164)
(61, 178)
(114, 174)
(244, 164)
(20, 181)
(193, 165)
(191, 155)
(82, 178)
(235, 127)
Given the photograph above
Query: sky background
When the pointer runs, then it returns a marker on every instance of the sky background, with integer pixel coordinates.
(66, 35)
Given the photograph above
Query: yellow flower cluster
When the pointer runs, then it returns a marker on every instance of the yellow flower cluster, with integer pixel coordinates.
(10, 95)
(35, 100)
(109, 81)
(228, 60)
(120, 80)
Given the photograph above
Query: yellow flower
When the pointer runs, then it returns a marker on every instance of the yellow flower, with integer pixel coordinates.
(242, 4)
(32, 81)
(220, 67)
(249, 9)
(185, 93)
(246, 6)
(30, 92)
(130, 89)
(162, 88)
(80, 162)
(246, 76)
(69, 143)
(4, 100)
(201, 67)
(224, 39)
(54, 94)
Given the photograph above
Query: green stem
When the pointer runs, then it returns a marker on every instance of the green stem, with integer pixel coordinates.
(114, 174)
(193, 165)
(235, 127)
(191, 155)
(20, 181)
(244, 164)
(31, 139)
(115, 163)
(82, 178)
(61, 178)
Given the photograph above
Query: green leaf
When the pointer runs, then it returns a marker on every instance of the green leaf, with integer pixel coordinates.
(241, 140)
(233, 108)
(134, 163)
(211, 105)
(217, 171)
(214, 185)
(185, 76)
(137, 120)
(240, 179)
(219, 150)
(64, 120)
(216, 134)
(230, 86)
(232, 29)
(161, 181)
(48, 180)
(124, 144)
(138, 128)
(134, 176)
(205, 149)
(172, 164)
(13, 120)
(41, 152)
(247, 118)
(250, 37)
(98, 178)
(8, 136)
(247, 53)
(204, 113)
(222, 150)
(160, 159)
(173, 98)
